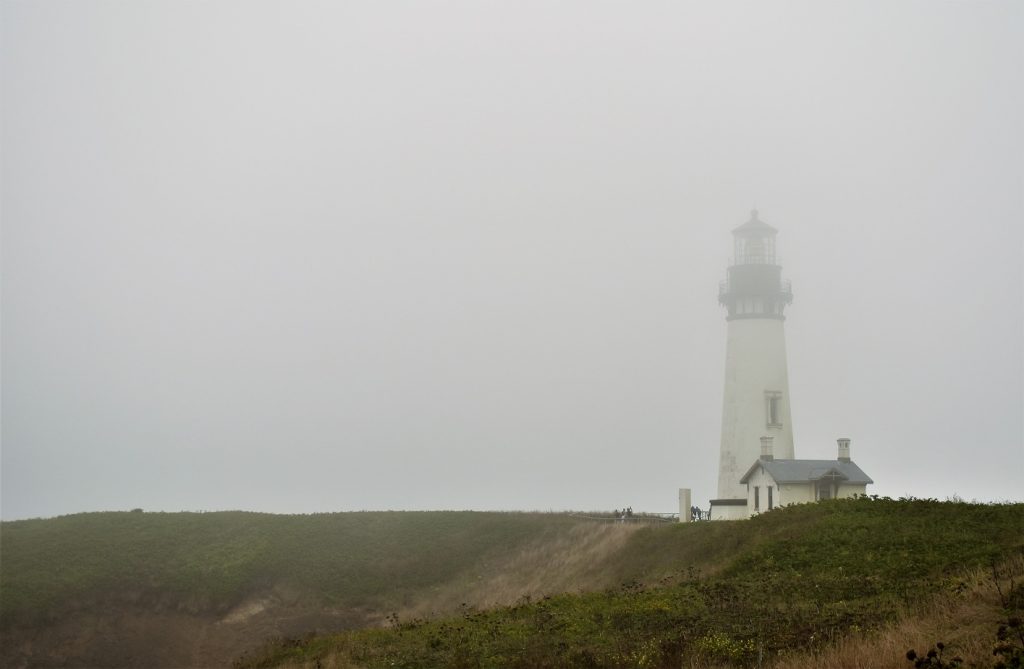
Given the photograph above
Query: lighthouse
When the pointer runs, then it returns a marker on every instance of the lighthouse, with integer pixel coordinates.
(756, 399)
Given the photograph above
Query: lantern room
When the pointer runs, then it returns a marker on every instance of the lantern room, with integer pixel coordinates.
(754, 242)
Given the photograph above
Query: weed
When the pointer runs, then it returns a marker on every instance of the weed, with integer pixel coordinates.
(933, 658)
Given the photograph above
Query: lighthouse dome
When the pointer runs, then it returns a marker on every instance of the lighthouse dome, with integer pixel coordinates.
(754, 227)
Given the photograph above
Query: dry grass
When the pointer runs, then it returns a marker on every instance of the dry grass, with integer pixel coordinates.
(338, 660)
(551, 565)
(569, 562)
(964, 620)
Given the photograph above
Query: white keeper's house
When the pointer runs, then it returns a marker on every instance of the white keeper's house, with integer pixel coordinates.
(771, 483)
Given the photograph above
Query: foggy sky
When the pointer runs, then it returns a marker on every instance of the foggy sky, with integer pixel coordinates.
(303, 256)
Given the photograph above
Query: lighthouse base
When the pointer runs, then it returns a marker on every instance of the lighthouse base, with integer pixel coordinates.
(729, 509)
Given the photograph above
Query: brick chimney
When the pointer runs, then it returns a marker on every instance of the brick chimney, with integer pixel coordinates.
(844, 449)
(766, 448)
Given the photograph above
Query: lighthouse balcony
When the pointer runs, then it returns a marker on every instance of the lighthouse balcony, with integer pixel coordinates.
(727, 290)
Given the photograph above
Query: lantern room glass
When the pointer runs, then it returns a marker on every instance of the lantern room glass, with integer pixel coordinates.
(755, 250)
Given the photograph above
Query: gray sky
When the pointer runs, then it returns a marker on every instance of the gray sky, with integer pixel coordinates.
(300, 256)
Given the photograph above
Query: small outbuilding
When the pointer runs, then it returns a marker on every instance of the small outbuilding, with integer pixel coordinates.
(772, 483)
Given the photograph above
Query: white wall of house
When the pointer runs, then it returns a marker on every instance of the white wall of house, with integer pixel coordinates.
(730, 512)
(757, 492)
(797, 493)
(848, 490)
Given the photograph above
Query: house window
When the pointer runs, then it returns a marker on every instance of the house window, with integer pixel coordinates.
(770, 498)
(773, 408)
(825, 490)
(757, 498)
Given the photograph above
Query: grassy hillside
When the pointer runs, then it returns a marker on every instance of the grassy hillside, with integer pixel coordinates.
(482, 589)
(197, 589)
(791, 581)
(211, 562)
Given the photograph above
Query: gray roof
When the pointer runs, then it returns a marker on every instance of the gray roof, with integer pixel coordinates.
(802, 471)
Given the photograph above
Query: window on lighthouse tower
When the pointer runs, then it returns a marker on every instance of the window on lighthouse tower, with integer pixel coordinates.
(773, 408)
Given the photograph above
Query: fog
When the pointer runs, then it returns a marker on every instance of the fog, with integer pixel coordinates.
(298, 256)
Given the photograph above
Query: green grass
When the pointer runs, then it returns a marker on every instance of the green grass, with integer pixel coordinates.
(792, 579)
(209, 562)
(651, 597)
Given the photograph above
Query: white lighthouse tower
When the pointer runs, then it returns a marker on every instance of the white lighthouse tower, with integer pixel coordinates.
(756, 402)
